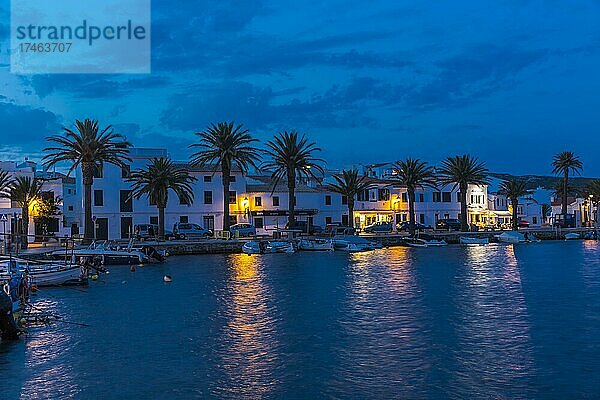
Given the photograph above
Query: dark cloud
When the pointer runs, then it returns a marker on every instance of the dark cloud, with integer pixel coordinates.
(23, 124)
(261, 107)
(473, 74)
(92, 87)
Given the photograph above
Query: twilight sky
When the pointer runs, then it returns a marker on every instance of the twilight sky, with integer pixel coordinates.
(511, 81)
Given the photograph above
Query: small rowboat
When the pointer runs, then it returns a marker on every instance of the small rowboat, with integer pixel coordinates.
(315, 244)
(267, 247)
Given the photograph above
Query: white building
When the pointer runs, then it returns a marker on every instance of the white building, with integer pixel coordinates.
(117, 214)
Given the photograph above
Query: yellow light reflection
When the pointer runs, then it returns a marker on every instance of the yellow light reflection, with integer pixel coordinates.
(249, 355)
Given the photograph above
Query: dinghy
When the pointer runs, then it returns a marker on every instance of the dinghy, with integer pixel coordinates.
(267, 247)
(572, 236)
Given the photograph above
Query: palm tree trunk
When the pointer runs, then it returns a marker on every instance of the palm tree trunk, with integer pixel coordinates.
(225, 172)
(88, 223)
(161, 223)
(463, 207)
(25, 226)
(515, 205)
(291, 176)
(351, 211)
(411, 212)
(565, 195)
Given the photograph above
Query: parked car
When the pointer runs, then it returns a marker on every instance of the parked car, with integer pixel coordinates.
(378, 227)
(448, 224)
(242, 230)
(305, 228)
(150, 231)
(405, 226)
(189, 231)
(339, 229)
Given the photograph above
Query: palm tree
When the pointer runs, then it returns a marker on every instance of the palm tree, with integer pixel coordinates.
(414, 173)
(564, 163)
(226, 145)
(463, 171)
(546, 209)
(156, 180)
(292, 158)
(89, 148)
(513, 189)
(25, 191)
(5, 181)
(350, 184)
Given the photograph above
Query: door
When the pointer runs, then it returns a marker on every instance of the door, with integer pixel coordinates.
(126, 227)
(208, 222)
(101, 229)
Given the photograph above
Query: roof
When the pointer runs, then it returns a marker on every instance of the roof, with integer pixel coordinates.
(264, 184)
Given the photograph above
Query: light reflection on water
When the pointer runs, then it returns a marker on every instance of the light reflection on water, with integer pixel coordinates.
(248, 345)
(457, 322)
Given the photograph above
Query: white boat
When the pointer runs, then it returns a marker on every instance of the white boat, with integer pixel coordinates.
(267, 247)
(436, 243)
(43, 274)
(340, 242)
(415, 242)
(353, 247)
(511, 237)
(315, 244)
(108, 253)
(473, 240)
(572, 236)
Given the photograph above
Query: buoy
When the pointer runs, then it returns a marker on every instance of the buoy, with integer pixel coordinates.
(167, 278)
(132, 269)
(94, 277)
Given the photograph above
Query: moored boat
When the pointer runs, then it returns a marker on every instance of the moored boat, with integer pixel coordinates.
(473, 240)
(110, 253)
(267, 247)
(415, 242)
(44, 274)
(572, 236)
(315, 244)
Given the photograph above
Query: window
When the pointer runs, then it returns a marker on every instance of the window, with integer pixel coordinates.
(534, 220)
(275, 201)
(70, 208)
(125, 171)
(422, 218)
(232, 220)
(232, 178)
(70, 191)
(327, 220)
(258, 201)
(344, 200)
(458, 197)
(125, 201)
(404, 197)
(259, 223)
(363, 196)
(207, 178)
(98, 198)
(207, 197)
(209, 222)
(446, 216)
(446, 197)
(183, 219)
(153, 220)
(437, 197)
(383, 194)
(98, 171)
(345, 220)
(232, 197)
(421, 198)
(327, 200)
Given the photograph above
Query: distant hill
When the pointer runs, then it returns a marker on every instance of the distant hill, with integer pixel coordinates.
(545, 182)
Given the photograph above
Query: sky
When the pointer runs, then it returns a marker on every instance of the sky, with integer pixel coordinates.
(511, 82)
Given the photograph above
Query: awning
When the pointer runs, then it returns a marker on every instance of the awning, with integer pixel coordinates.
(282, 213)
